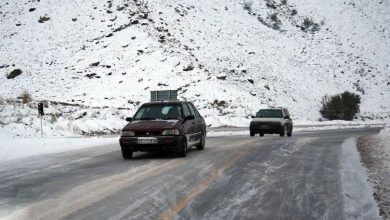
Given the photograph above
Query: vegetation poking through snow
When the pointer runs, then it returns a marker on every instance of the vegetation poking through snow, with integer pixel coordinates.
(25, 97)
(248, 5)
(43, 19)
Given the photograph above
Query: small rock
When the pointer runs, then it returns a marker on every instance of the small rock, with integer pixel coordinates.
(251, 81)
(95, 64)
(43, 19)
(31, 9)
(14, 73)
(221, 77)
(109, 35)
(134, 22)
(74, 19)
(267, 87)
(188, 68)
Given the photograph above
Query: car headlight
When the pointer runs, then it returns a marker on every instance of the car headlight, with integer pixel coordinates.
(127, 133)
(171, 132)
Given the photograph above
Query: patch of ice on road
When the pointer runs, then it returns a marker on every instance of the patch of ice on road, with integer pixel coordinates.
(359, 202)
(17, 148)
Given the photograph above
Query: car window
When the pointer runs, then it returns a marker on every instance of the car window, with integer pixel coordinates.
(196, 111)
(186, 110)
(191, 110)
(287, 113)
(163, 111)
(270, 113)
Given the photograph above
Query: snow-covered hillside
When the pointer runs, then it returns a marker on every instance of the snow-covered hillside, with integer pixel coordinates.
(229, 57)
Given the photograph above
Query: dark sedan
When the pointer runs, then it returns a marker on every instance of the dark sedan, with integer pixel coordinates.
(163, 126)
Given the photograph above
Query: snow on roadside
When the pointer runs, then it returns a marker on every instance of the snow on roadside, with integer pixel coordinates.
(242, 131)
(375, 154)
(359, 202)
(17, 148)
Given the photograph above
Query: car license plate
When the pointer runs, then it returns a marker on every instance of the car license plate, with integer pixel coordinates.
(147, 140)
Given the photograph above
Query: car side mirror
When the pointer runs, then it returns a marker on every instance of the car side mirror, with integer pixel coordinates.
(129, 119)
(286, 117)
(189, 117)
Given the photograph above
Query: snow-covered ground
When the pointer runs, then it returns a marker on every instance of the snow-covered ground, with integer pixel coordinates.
(359, 201)
(375, 155)
(230, 58)
(18, 148)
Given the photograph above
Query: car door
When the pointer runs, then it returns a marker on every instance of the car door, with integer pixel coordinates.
(201, 123)
(195, 135)
(188, 126)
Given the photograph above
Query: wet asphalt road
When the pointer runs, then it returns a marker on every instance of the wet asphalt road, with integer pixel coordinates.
(238, 177)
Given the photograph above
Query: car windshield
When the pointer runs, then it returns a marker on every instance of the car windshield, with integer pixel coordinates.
(270, 113)
(159, 111)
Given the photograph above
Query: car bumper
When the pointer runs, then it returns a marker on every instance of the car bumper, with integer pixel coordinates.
(275, 128)
(164, 143)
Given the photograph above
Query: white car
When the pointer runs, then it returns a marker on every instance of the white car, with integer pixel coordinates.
(271, 121)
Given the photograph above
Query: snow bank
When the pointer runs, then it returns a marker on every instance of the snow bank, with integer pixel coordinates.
(22, 120)
(375, 154)
(359, 202)
(17, 148)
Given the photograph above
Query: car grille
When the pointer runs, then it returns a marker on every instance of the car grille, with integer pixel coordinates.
(269, 124)
(265, 124)
(148, 133)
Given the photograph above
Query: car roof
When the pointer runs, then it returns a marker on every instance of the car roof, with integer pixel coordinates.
(165, 102)
(272, 108)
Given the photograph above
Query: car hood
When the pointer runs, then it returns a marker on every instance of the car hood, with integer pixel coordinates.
(267, 120)
(152, 125)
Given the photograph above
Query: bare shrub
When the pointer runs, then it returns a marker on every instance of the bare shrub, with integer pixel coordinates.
(307, 23)
(53, 118)
(274, 17)
(43, 19)
(26, 97)
(294, 12)
(275, 21)
(248, 5)
(270, 4)
(310, 25)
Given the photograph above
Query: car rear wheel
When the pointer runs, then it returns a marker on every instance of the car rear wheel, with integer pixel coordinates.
(127, 154)
(200, 146)
(251, 133)
(183, 149)
(289, 134)
(261, 134)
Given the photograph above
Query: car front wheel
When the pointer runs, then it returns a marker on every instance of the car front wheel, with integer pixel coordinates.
(283, 131)
(127, 154)
(183, 149)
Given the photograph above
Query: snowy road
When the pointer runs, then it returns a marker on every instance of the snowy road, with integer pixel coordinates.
(238, 177)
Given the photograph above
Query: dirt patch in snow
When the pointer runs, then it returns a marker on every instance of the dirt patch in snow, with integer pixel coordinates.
(374, 153)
